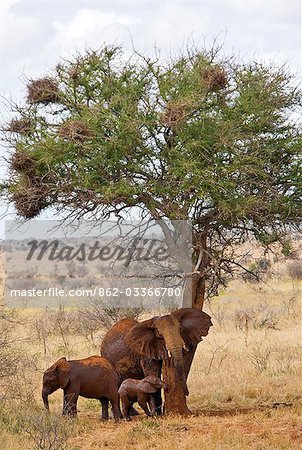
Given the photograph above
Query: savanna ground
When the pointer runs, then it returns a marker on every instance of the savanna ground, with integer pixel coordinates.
(245, 382)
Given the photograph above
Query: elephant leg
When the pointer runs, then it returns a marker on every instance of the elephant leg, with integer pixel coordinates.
(115, 407)
(70, 403)
(105, 402)
(144, 406)
(156, 403)
(154, 367)
(119, 408)
(151, 405)
(129, 413)
(133, 411)
(126, 407)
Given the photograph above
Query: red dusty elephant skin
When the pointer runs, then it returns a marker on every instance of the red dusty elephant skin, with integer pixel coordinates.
(93, 377)
(140, 391)
(137, 349)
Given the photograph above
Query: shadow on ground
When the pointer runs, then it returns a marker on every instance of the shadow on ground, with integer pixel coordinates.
(233, 411)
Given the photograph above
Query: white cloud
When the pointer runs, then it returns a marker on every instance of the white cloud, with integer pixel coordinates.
(269, 11)
(14, 30)
(89, 28)
(172, 24)
(5, 5)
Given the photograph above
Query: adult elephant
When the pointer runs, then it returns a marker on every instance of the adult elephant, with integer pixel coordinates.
(138, 350)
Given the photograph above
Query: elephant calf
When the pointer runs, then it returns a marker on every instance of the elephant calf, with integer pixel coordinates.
(140, 391)
(93, 377)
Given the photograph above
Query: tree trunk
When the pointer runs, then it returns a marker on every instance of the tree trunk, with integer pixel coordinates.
(194, 291)
(198, 299)
(195, 282)
(175, 399)
(188, 359)
(193, 297)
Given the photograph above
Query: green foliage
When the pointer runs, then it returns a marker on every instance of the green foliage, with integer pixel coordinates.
(169, 139)
(197, 137)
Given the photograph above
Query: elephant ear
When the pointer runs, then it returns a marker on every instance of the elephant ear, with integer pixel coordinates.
(143, 340)
(63, 372)
(146, 387)
(194, 324)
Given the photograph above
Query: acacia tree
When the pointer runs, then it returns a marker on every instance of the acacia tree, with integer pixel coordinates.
(198, 137)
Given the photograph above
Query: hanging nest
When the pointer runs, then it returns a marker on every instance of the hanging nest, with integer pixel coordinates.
(175, 114)
(215, 78)
(21, 161)
(44, 90)
(32, 195)
(30, 202)
(22, 126)
(75, 130)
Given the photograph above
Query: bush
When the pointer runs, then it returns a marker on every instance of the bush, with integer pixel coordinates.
(294, 270)
(44, 431)
(260, 356)
(8, 355)
(99, 315)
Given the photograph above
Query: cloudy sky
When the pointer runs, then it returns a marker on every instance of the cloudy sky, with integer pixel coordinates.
(35, 34)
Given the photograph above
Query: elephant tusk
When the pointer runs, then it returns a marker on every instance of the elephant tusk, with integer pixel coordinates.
(169, 354)
(186, 348)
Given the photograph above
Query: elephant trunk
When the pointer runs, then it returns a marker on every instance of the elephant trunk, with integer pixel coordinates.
(45, 399)
(175, 349)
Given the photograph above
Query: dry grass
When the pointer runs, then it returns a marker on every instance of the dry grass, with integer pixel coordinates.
(251, 429)
(255, 430)
(245, 388)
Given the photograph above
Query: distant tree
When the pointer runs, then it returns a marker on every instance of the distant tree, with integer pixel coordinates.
(198, 137)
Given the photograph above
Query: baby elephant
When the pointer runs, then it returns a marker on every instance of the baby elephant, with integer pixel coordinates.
(93, 377)
(140, 391)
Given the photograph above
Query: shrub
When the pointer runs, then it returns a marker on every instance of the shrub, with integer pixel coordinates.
(260, 356)
(8, 354)
(101, 316)
(294, 270)
(44, 431)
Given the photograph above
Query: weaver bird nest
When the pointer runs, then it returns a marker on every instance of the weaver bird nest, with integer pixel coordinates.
(75, 130)
(21, 161)
(174, 114)
(44, 90)
(215, 78)
(32, 193)
(30, 201)
(21, 126)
